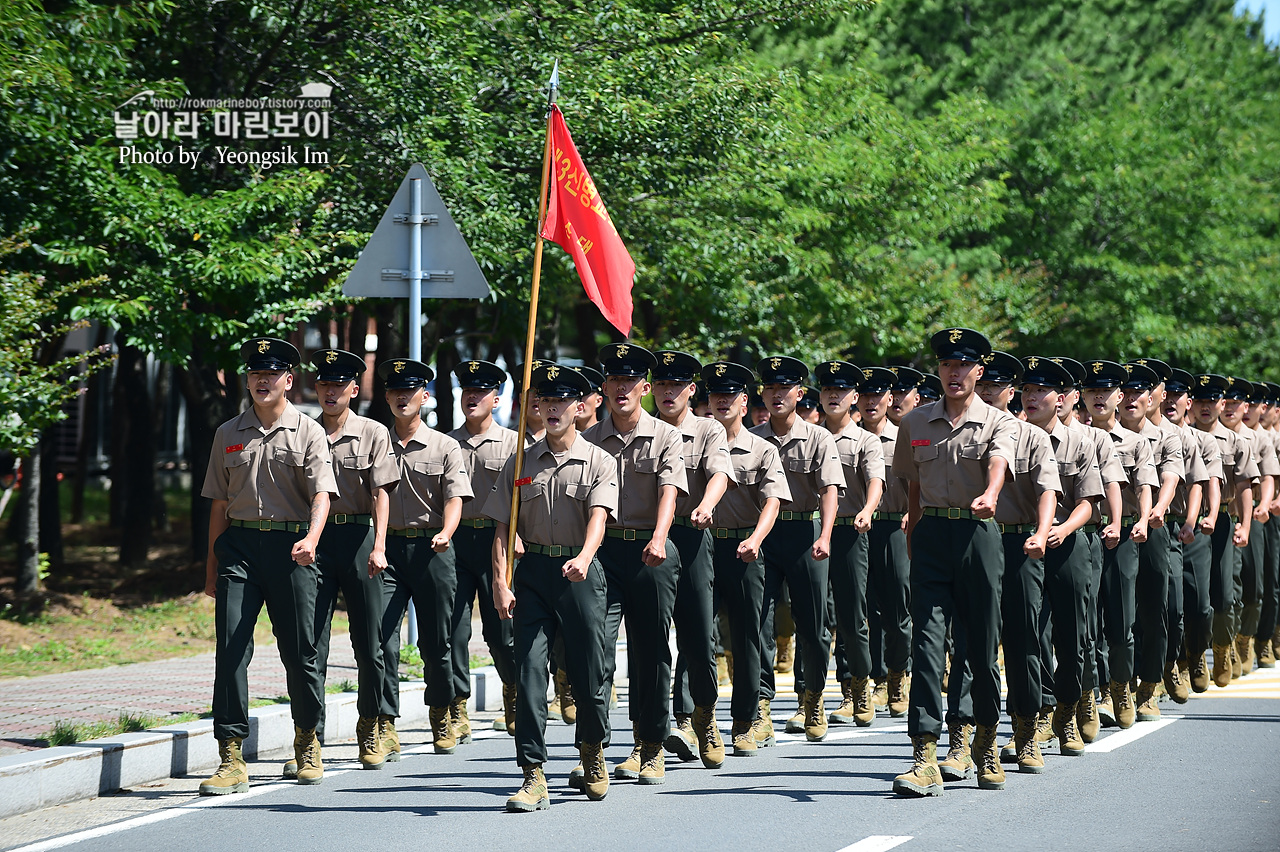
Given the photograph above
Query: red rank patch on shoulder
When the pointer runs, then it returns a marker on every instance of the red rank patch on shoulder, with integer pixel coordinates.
(528, 480)
(235, 448)
(923, 442)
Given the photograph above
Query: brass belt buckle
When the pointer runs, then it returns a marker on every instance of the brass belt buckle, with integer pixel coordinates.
(953, 514)
(628, 535)
(554, 550)
(720, 532)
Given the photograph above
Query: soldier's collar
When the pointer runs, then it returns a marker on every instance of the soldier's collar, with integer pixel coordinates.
(976, 412)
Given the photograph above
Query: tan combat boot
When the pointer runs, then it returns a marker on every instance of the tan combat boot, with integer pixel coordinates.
(1148, 706)
(595, 773)
(553, 708)
(652, 764)
(864, 709)
(1122, 701)
(728, 664)
(1198, 675)
(1106, 707)
(391, 739)
(1070, 743)
(899, 692)
(1087, 721)
(373, 749)
(1222, 665)
(460, 719)
(1044, 727)
(958, 764)
(232, 775)
(815, 717)
(1244, 653)
(630, 768)
(795, 722)
(785, 660)
(843, 715)
(880, 695)
(722, 670)
(507, 721)
(682, 740)
(986, 762)
(1266, 659)
(710, 744)
(1236, 666)
(443, 736)
(532, 795)
(306, 750)
(946, 673)
(744, 744)
(564, 692)
(925, 777)
(1028, 758)
(1275, 642)
(762, 727)
(1175, 683)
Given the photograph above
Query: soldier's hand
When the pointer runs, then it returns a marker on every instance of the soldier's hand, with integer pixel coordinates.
(1111, 535)
(862, 522)
(1055, 537)
(1155, 520)
(1207, 525)
(304, 552)
(1138, 532)
(983, 507)
(1261, 514)
(749, 550)
(1188, 533)
(1034, 546)
(211, 576)
(377, 562)
(575, 570)
(822, 548)
(519, 547)
(701, 518)
(440, 542)
(655, 552)
(1240, 538)
(503, 601)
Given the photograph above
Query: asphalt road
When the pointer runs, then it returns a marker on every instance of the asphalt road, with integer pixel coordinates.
(1206, 777)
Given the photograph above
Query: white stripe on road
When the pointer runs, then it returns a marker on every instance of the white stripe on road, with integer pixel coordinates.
(877, 843)
(1112, 742)
(858, 733)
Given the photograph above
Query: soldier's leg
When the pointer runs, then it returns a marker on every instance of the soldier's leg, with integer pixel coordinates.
(1177, 637)
(1048, 695)
(1119, 589)
(464, 595)
(1270, 609)
(1253, 572)
(774, 582)
(498, 633)
(533, 627)
(807, 581)
(1022, 591)
(396, 591)
(289, 592)
(650, 599)
(612, 556)
(1197, 566)
(236, 611)
(1222, 580)
(1066, 586)
(434, 580)
(1095, 671)
(932, 581)
(894, 596)
(740, 586)
(695, 621)
(580, 610)
(365, 604)
(333, 559)
(976, 587)
(1151, 605)
(850, 556)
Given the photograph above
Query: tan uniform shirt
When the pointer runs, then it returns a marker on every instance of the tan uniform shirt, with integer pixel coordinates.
(951, 463)
(362, 463)
(484, 455)
(1109, 467)
(1193, 460)
(1238, 465)
(758, 470)
(862, 458)
(648, 458)
(895, 487)
(1166, 455)
(1035, 471)
(810, 460)
(1139, 466)
(1078, 469)
(269, 474)
(431, 473)
(706, 453)
(1264, 450)
(556, 502)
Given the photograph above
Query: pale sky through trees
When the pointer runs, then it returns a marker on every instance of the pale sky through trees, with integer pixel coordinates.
(1271, 24)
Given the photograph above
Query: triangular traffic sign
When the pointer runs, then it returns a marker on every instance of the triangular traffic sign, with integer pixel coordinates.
(449, 269)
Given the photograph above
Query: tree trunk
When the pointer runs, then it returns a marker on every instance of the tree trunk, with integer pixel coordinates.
(50, 538)
(134, 469)
(159, 419)
(207, 408)
(391, 344)
(28, 518)
(90, 428)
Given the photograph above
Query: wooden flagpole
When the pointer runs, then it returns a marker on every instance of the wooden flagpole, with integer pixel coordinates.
(529, 337)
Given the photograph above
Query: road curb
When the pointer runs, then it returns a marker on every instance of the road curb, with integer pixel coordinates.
(54, 776)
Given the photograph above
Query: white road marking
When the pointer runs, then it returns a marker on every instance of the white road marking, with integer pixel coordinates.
(858, 733)
(878, 843)
(1139, 730)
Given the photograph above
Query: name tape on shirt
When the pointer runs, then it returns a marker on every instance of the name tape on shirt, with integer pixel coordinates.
(527, 480)
(235, 448)
(921, 442)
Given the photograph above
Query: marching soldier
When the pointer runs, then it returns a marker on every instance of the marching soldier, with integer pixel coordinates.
(798, 547)
(271, 483)
(1268, 632)
(744, 518)
(485, 446)
(568, 492)
(862, 460)
(592, 401)
(1254, 557)
(955, 454)
(352, 549)
(888, 568)
(1025, 517)
(709, 475)
(640, 569)
(425, 510)
(1247, 575)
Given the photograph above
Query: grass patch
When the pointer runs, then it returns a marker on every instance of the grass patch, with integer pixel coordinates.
(65, 732)
(411, 667)
(479, 661)
(344, 685)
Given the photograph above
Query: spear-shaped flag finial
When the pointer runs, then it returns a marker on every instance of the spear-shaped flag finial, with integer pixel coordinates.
(553, 84)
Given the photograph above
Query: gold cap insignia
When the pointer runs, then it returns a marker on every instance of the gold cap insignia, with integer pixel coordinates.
(668, 357)
(1031, 362)
(475, 365)
(621, 351)
(1097, 366)
(893, 370)
(775, 362)
(987, 359)
(331, 357)
(1230, 381)
(399, 366)
(263, 346)
(1128, 368)
(721, 369)
(835, 366)
(954, 335)
(866, 373)
(552, 372)
(1204, 380)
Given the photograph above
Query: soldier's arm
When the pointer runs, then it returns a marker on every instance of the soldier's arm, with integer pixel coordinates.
(830, 505)
(1195, 496)
(875, 490)
(1039, 540)
(1244, 497)
(749, 550)
(503, 600)
(304, 552)
(575, 570)
(984, 505)
(1115, 508)
(1213, 507)
(716, 488)
(218, 524)
(452, 515)
(655, 552)
(914, 510)
(1266, 495)
(381, 511)
(1138, 532)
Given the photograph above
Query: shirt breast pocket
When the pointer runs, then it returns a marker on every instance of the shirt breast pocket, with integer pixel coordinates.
(532, 491)
(286, 457)
(1021, 465)
(238, 471)
(924, 454)
(749, 477)
(494, 464)
(580, 491)
(356, 461)
(434, 469)
(647, 465)
(802, 465)
(1070, 468)
(848, 459)
(974, 452)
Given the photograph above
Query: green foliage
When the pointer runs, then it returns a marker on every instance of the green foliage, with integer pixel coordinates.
(66, 732)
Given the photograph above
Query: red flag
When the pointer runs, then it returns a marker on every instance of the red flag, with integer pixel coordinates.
(579, 224)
